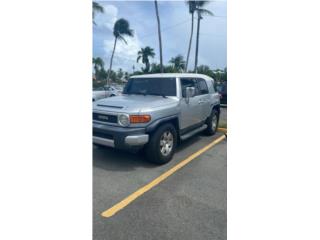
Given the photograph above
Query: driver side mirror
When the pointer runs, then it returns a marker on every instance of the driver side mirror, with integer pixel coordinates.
(190, 92)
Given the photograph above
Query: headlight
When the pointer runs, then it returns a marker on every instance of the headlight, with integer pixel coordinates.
(123, 119)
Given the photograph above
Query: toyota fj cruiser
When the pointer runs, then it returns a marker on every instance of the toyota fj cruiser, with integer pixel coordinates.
(155, 112)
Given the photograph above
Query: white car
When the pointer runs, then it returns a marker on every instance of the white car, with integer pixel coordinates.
(104, 92)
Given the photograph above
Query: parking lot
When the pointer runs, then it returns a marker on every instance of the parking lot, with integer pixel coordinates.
(190, 204)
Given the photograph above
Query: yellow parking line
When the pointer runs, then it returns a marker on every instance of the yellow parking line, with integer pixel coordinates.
(125, 202)
(224, 130)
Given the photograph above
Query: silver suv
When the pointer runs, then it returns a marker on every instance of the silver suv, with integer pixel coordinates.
(155, 112)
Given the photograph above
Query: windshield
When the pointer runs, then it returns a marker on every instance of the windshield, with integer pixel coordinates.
(151, 86)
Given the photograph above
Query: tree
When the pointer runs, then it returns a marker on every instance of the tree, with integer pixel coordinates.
(120, 30)
(112, 75)
(201, 12)
(96, 7)
(224, 77)
(178, 63)
(155, 68)
(126, 76)
(159, 34)
(144, 55)
(192, 9)
(98, 65)
(220, 75)
(170, 69)
(120, 74)
(204, 69)
(102, 74)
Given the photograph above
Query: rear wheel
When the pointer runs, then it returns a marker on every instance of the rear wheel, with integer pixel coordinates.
(212, 123)
(162, 144)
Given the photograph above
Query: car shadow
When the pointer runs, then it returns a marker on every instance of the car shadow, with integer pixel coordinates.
(110, 159)
(115, 160)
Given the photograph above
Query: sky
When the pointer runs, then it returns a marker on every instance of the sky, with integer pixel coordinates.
(175, 30)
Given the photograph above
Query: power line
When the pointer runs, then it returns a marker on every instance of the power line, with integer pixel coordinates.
(173, 26)
(167, 28)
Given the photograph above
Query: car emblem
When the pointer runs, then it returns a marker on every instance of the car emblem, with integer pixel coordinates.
(102, 117)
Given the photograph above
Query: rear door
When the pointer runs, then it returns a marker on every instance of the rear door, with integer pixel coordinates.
(190, 111)
(204, 99)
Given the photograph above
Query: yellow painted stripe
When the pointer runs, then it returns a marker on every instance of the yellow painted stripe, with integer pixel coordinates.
(125, 202)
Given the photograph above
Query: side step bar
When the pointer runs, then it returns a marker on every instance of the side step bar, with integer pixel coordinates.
(193, 132)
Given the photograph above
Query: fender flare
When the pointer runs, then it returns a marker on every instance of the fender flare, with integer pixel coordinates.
(151, 127)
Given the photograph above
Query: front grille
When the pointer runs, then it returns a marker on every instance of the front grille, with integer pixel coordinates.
(105, 118)
(102, 135)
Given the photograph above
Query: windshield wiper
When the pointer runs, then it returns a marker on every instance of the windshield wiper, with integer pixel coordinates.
(144, 94)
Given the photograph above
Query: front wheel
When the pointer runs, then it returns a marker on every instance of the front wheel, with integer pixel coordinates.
(212, 123)
(162, 144)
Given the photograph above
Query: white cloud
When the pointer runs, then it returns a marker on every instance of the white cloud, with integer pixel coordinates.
(108, 18)
(125, 54)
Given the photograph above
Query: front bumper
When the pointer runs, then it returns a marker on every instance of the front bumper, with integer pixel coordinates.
(119, 137)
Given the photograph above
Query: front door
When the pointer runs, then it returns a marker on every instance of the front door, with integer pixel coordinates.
(190, 110)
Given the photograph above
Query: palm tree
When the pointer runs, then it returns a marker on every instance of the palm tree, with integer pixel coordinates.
(204, 69)
(192, 9)
(144, 55)
(98, 65)
(200, 11)
(159, 34)
(121, 29)
(178, 63)
(96, 7)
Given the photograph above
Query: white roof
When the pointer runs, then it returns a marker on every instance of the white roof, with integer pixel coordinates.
(173, 75)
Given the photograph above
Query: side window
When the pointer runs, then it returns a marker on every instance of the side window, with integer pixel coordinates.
(188, 82)
(202, 86)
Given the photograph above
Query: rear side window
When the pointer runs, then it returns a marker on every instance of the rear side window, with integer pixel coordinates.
(188, 82)
(202, 86)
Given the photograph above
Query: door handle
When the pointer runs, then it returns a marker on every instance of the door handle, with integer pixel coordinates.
(201, 101)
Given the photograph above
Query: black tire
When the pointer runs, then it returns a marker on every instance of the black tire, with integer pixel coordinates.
(212, 129)
(152, 150)
(112, 95)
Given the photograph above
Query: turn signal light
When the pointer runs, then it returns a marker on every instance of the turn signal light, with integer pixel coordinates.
(140, 118)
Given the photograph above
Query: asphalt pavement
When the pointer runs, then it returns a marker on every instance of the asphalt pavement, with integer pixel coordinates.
(190, 204)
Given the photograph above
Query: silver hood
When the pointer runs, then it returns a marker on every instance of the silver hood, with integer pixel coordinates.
(134, 103)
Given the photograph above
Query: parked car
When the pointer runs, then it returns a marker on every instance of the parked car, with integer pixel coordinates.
(222, 89)
(104, 92)
(156, 112)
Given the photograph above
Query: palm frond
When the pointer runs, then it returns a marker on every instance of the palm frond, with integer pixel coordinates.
(203, 11)
(96, 7)
(192, 4)
(202, 3)
(122, 38)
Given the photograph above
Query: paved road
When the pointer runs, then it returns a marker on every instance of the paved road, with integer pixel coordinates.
(191, 204)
